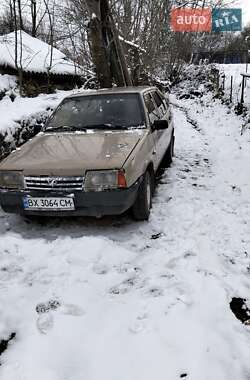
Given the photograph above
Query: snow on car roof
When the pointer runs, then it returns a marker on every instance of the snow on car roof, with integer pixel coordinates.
(35, 55)
(114, 90)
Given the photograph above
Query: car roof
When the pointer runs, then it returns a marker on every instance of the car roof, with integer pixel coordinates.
(114, 90)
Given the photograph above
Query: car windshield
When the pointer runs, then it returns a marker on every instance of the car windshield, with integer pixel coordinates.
(115, 111)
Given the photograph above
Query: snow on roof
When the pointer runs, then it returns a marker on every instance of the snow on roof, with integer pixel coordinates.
(35, 55)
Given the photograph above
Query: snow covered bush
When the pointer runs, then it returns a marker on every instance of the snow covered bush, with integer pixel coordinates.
(196, 80)
(25, 129)
(22, 118)
(8, 85)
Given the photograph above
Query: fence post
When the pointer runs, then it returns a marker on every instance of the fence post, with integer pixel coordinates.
(223, 81)
(231, 90)
(242, 90)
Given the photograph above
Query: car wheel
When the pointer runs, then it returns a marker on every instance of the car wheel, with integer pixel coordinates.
(168, 157)
(143, 203)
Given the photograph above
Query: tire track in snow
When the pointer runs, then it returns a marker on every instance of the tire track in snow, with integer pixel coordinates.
(189, 119)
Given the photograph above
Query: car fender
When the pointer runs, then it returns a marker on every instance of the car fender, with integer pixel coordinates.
(142, 156)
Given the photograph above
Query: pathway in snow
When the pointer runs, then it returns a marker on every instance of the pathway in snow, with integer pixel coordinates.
(154, 297)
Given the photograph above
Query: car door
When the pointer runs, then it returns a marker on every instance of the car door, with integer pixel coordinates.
(163, 109)
(153, 115)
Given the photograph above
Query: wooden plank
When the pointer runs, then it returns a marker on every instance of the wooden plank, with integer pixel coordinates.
(245, 75)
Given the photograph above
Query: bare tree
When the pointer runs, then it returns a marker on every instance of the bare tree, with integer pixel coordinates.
(51, 17)
(147, 23)
(18, 45)
(33, 10)
(20, 16)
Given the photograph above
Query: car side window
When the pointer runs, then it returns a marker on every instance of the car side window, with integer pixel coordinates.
(165, 99)
(151, 107)
(161, 105)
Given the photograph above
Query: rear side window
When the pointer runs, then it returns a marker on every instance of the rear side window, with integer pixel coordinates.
(161, 104)
(149, 103)
(165, 100)
(157, 98)
(152, 110)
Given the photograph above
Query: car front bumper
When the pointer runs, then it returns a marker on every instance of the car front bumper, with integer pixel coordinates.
(113, 202)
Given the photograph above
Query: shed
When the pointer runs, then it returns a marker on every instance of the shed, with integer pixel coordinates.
(222, 56)
(34, 58)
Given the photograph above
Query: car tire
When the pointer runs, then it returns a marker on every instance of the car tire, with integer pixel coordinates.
(168, 157)
(143, 202)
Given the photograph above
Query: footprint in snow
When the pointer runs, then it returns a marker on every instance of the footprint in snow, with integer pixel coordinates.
(156, 236)
(128, 268)
(133, 282)
(45, 307)
(137, 327)
(189, 254)
(45, 321)
(236, 189)
(73, 310)
(124, 287)
(100, 269)
(155, 292)
(139, 324)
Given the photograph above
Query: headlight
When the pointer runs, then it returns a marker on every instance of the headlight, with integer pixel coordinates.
(104, 180)
(11, 180)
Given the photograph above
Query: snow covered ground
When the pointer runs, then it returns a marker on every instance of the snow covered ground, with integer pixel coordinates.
(139, 300)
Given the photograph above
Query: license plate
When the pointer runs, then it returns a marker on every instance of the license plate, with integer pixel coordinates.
(43, 204)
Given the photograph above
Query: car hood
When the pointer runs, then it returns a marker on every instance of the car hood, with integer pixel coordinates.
(73, 153)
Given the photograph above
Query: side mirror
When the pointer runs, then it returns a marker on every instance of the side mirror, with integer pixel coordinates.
(160, 125)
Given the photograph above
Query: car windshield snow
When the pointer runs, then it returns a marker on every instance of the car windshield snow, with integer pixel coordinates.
(112, 111)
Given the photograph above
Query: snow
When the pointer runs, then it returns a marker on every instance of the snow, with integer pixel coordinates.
(7, 82)
(133, 307)
(35, 55)
(24, 108)
(132, 44)
(235, 70)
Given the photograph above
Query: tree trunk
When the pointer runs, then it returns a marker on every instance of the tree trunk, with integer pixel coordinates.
(99, 53)
(20, 14)
(18, 57)
(11, 23)
(51, 16)
(105, 46)
(33, 17)
(118, 62)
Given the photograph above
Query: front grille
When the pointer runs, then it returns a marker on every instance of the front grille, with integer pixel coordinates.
(53, 183)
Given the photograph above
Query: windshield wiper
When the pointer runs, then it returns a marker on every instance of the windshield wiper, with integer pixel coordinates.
(66, 128)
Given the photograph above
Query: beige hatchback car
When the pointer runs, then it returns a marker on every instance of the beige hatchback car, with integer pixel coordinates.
(97, 155)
